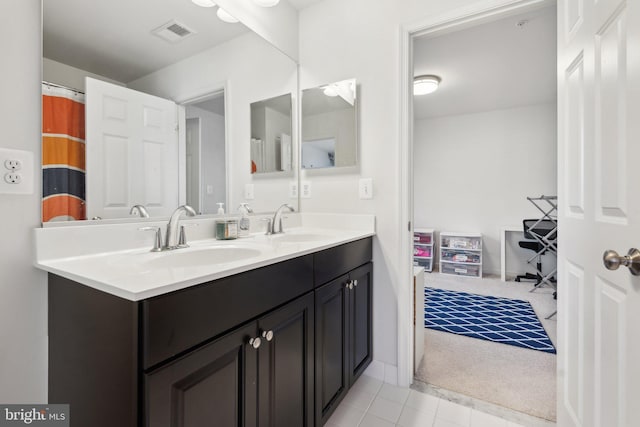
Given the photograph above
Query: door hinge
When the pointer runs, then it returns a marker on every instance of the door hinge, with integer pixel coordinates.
(177, 127)
(409, 226)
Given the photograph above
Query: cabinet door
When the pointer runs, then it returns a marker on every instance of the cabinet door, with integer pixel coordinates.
(285, 367)
(215, 385)
(332, 338)
(360, 320)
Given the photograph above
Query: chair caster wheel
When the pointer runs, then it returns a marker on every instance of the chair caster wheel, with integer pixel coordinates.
(517, 279)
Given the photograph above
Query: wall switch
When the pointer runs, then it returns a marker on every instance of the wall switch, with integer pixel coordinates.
(17, 171)
(209, 189)
(293, 189)
(305, 190)
(366, 188)
(248, 192)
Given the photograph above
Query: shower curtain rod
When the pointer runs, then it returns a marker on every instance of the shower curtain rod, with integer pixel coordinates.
(63, 87)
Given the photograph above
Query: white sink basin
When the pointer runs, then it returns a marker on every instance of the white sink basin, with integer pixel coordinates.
(202, 256)
(300, 237)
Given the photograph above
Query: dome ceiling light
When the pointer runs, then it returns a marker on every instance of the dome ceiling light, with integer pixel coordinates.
(225, 16)
(425, 84)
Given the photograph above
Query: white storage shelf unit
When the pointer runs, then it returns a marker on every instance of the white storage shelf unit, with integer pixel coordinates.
(461, 254)
(423, 248)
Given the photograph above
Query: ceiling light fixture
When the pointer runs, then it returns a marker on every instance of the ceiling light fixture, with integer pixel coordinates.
(225, 16)
(266, 3)
(330, 90)
(425, 84)
(204, 3)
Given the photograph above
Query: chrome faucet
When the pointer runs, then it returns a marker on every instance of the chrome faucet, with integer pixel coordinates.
(142, 211)
(276, 222)
(172, 235)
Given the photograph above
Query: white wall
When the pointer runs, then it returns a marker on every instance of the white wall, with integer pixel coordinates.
(341, 39)
(212, 157)
(252, 71)
(473, 172)
(66, 75)
(23, 289)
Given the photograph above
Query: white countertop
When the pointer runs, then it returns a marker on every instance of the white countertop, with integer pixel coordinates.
(90, 254)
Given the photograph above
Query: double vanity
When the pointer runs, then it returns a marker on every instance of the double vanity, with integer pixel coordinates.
(267, 330)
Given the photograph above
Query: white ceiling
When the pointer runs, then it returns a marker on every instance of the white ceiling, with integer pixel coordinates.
(301, 4)
(214, 105)
(490, 66)
(113, 37)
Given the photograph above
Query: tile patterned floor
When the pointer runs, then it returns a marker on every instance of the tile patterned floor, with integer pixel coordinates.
(371, 403)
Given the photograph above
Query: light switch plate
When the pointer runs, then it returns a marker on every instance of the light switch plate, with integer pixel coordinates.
(16, 171)
(305, 189)
(293, 189)
(365, 189)
(248, 192)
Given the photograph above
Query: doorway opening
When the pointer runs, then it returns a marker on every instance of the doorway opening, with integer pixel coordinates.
(483, 143)
(204, 145)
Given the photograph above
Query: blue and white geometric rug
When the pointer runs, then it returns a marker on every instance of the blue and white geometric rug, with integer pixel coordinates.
(503, 320)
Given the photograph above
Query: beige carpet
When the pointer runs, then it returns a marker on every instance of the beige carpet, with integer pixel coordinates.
(520, 379)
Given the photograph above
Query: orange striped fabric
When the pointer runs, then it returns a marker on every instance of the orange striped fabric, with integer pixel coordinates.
(63, 207)
(62, 116)
(63, 155)
(61, 150)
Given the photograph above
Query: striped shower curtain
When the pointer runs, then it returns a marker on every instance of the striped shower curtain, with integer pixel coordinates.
(63, 154)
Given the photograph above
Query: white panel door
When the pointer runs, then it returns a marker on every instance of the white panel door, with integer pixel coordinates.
(132, 151)
(599, 144)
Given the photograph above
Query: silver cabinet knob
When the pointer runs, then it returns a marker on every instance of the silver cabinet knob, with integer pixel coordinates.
(612, 260)
(355, 282)
(350, 284)
(255, 342)
(268, 335)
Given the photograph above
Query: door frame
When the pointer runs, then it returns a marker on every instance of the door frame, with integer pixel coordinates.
(190, 98)
(458, 19)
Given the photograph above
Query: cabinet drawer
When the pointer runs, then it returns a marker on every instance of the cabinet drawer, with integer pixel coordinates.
(334, 262)
(181, 320)
(460, 269)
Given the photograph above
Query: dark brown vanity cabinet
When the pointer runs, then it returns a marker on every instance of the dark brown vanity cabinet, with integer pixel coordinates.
(258, 375)
(241, 351)
(343, 335)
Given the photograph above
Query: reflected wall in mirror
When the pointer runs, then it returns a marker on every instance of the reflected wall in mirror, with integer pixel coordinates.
(82, 39)
(271, 135)
(329, 125)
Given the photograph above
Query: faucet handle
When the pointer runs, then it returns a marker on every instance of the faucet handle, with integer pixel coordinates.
(157, 245)
(269, 225)
(182, 239)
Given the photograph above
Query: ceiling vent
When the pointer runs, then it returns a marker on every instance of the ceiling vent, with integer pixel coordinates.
(173, 31)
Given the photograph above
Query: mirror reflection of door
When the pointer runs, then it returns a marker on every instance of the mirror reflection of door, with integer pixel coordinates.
(205, 153)
(193, 163)
(131, 151)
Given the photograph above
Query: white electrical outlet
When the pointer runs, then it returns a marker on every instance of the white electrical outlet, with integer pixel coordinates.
(293, 189)
(12, 178)
(18, 175)
(13, 164)
(305, 190)
(366, 188)
(248, 192)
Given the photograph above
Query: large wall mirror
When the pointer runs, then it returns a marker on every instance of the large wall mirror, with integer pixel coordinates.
(174, 51)
(329, 126)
